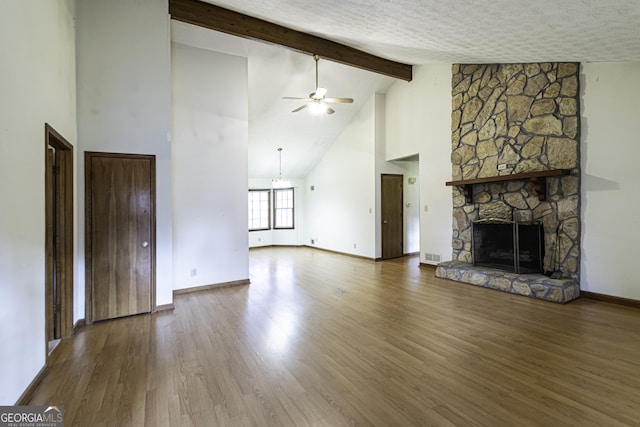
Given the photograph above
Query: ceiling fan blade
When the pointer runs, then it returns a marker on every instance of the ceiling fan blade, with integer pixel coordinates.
(339, 100)
(297, 97)
(330, 110)
(300, 108)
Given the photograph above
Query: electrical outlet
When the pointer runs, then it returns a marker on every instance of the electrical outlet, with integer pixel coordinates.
(354, 246)
(502, 166)
(194, 272)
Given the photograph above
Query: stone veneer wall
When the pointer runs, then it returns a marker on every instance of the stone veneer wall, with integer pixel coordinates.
(527, 117)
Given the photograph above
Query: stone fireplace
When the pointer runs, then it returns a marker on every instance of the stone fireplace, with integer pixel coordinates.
(515, 159)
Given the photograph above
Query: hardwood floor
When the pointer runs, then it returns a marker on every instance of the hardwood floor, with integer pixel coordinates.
(329, 340)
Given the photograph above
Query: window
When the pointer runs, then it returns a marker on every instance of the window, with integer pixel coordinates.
(259, 204)
(283, 208)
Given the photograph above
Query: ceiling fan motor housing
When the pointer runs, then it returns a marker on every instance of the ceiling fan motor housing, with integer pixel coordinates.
(317, 99)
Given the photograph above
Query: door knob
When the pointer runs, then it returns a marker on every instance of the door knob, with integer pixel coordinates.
(385, 222)
(144, 244)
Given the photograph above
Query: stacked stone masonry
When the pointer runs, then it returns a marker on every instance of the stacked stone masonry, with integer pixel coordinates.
(530, 285)
(524, 116)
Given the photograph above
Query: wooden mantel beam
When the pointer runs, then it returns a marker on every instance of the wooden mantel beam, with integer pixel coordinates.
(216, 18)
(537, 178)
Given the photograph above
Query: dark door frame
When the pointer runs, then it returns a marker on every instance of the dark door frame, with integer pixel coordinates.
(59, 234)
(88, 155)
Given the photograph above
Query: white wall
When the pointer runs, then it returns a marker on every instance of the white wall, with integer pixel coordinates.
(411, 215)
(295, 237)
(610, 150)
(124, 104)
(210, 136)
(418, 121)
(341, 210)
(37, 85)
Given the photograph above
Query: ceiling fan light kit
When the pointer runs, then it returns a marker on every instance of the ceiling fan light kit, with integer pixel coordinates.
(317, 101)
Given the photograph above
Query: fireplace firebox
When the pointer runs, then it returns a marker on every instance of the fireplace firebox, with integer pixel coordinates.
(512, 246)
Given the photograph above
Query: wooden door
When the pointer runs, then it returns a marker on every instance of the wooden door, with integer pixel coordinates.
(392, 218)
(121, 233)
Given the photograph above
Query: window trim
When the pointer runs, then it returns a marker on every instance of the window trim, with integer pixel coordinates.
(293, 208)
(268, 191)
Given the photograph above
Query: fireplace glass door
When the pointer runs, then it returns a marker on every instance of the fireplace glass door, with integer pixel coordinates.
(510, 246)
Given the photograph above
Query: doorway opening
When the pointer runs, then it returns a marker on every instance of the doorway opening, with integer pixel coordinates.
(410, 168)
(403, 193)
(59, 237)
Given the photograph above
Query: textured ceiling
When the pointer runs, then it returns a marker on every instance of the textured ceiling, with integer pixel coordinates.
(484, 31)
(409, 31)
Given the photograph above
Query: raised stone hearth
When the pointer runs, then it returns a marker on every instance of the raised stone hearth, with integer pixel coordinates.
(531, 285)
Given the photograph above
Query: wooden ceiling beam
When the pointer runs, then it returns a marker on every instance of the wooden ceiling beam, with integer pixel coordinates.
(216, 18)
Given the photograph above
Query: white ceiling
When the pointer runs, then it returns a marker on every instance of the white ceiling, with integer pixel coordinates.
(409, 31)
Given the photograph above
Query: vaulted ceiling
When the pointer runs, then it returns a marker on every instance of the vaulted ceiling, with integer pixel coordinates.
(409, 31)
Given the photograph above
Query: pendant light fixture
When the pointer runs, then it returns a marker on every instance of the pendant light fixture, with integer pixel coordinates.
(280, 181)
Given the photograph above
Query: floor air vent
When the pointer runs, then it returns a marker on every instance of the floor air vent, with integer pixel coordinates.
(432, 257)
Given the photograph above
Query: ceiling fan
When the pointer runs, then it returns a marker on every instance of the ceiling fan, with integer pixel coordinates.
(317, 101)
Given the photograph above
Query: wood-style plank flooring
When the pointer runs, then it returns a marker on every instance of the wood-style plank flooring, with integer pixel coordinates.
(329, 340)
